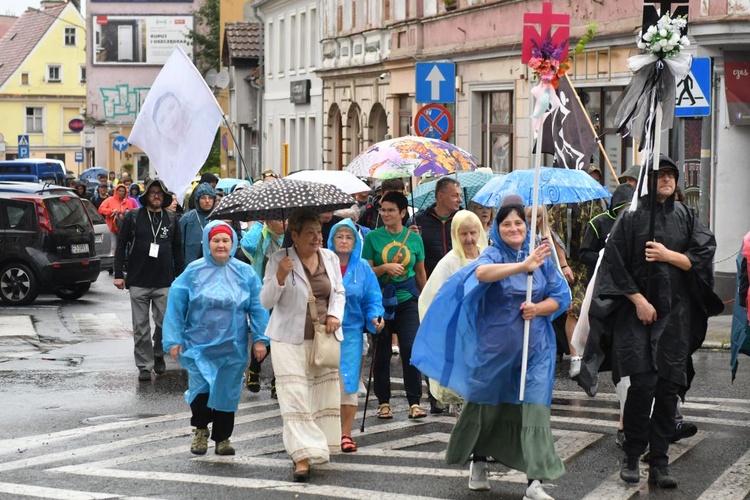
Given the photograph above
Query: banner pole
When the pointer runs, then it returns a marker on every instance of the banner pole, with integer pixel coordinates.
(237, 147)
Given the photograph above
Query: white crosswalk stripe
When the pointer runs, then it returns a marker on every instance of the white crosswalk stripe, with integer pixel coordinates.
(102, 326)
(580, 424)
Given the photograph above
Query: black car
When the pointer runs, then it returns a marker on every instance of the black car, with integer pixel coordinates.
(46, 244)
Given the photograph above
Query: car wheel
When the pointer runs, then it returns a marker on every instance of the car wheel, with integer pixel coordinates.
(18, 285)
(72, 292)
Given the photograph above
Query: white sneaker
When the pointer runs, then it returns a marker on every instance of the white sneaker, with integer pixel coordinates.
(361, 390)
(575, 366)
(478, 476)
(536, 492)
(395, 351)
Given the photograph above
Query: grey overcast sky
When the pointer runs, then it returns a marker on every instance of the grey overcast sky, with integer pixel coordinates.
(16, 7)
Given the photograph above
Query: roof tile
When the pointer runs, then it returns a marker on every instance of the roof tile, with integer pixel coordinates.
(242, 40)
(23, 36)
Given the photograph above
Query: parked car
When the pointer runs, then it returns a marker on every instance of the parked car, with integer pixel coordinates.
(33, 170)
(46, 244)
(103, 238)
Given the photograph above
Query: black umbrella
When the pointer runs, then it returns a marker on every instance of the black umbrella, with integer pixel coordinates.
(275, 199)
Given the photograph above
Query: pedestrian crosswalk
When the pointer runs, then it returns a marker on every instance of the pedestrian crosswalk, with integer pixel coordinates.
(399, 458)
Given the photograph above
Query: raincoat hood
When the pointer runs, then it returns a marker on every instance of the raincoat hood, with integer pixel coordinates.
(204, 189)
(137, 189)
(356, 254)
(461, 217)
(498, 242)
(166, 199)
(622, 196)
(207, 230)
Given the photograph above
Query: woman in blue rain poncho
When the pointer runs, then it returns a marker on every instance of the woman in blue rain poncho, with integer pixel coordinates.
(471, 342)
(205, 329)
(364, 308)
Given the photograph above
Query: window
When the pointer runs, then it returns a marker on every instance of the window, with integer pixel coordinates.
(18, 215)
(270, 55)
(405, 104)
(24, 78)
(54, 73)
(82, 74)
(314, 38)
(304, 36)
(34, 120)
(281, 57)
(70, 37)
(293, 29)
(497, 130)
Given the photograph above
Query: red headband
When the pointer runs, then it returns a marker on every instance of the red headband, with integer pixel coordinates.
(221, 228)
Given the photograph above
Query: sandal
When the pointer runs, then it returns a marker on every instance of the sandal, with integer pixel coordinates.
(384, 411)
(348, 445)
(416, 412)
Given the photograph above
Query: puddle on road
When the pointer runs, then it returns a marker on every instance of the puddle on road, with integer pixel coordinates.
(105, 419)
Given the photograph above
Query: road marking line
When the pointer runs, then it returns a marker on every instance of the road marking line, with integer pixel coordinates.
(18, 326)
(614, 488)
(609, 396)
(245, 483)
(103, 326)
(29, 442)
(733, 483)
(114, 445)
(60, 494)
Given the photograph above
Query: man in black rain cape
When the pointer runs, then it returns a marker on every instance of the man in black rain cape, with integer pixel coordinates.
(652, 331)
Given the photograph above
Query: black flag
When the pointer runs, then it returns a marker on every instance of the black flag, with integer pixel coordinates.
(567, 131)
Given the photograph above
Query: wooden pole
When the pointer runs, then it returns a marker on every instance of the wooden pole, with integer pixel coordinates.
(593, 130)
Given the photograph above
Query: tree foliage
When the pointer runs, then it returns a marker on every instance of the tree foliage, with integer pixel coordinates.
(205, 36)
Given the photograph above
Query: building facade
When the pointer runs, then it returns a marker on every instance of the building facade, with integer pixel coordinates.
(43, 83)
(292, 98)
(128, 43)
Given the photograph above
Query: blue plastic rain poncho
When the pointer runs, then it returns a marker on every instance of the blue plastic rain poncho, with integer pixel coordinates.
(259, 243)
(207, 313)
(364, 303)
(193, 222)
(471, 338)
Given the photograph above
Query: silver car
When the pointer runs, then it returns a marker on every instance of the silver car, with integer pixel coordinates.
(102, 237)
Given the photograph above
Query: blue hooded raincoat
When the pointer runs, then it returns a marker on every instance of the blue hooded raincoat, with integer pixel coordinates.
(207, 313)
(193, 222)
(364, 303)
(471, 338)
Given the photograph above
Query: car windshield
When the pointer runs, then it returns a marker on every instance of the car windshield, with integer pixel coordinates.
(67, 211)
(95, 216)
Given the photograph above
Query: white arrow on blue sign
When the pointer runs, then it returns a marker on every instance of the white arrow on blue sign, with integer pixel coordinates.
(120, 143)
(693, 96)
(435, 82)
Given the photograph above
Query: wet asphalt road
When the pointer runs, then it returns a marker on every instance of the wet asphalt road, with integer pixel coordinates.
(76, 423)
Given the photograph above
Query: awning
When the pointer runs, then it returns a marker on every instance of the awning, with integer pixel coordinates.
(737, 83)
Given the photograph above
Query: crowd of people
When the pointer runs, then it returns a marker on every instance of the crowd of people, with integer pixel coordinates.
(450, 285)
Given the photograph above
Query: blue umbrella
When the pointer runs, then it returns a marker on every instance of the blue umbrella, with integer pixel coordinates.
(90, 174)
(471, 183)
(556, 185)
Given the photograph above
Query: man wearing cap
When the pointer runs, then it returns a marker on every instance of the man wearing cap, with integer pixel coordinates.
(101, 194)
(655, 326)
(630, 176)
(151, 236)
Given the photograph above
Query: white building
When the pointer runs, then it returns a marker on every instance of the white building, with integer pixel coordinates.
(293, 97)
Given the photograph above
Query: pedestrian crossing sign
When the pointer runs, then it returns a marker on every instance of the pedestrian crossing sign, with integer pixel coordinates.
(693, 96)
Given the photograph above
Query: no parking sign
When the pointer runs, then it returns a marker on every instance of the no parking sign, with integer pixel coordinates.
(434, 121)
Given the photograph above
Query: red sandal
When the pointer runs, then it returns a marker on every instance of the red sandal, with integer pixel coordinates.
(348, 445)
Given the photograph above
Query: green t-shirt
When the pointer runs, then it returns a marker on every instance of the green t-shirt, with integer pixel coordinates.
(381, 247)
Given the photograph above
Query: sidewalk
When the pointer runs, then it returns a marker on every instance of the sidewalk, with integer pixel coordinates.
(719, 332)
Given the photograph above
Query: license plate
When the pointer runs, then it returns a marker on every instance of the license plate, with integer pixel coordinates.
(81, 248)
(98, 238)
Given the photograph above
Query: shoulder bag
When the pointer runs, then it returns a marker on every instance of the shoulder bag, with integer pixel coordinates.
(326, 349)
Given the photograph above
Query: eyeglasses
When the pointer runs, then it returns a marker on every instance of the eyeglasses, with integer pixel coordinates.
(270, 174)
(156, 193)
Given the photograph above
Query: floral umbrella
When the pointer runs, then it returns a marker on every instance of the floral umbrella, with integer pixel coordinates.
(411, 155)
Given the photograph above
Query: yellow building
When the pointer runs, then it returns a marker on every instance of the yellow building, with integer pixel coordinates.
(43, 83)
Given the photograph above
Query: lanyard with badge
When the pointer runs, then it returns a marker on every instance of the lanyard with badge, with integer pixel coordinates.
(153, 250)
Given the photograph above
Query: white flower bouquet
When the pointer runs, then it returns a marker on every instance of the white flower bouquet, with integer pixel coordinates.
(666, 39)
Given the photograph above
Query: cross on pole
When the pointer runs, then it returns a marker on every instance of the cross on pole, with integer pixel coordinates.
(546, 19)
(651, 15)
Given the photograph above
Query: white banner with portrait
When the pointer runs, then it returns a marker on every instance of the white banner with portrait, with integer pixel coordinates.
(177, 123)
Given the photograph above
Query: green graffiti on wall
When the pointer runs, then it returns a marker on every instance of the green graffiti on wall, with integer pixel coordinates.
(121, 100)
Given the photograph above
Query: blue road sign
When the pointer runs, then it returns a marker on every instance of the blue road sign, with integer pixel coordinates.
(693, 96)
(120, 143)
(79, 157)
(436, 82)
(23, 146)
(434, 121)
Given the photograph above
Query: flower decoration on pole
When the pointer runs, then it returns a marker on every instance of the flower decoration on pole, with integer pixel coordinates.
(546, 53)
(656, 72)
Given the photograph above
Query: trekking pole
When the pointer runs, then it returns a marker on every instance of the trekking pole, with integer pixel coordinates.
(369, 379)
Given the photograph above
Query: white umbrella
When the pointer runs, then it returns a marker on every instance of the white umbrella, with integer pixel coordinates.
(345, 181)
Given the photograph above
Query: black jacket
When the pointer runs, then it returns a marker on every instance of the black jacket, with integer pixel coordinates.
(134, 242)
(683, 299)
(436, 235)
